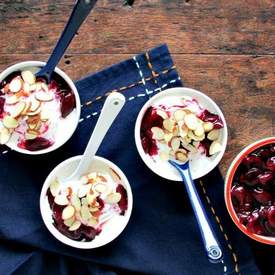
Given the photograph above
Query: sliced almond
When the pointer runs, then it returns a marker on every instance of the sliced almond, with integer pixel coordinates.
(38, 111)
(214, 134)
(115, 175)
(208, 126)
(28, 77)
(38, 126)
(175, 143)
(69, 222)
(190, 148)
(90, 198)
(92, 222)
(84, 180)
(75, 201)
(162, 113)
(183, 129)
(83, 190)
(6, 88)
(43, 96)
(33, 119)
(32, 87)
(181, 156)
(199, 131)
(61, 199)
(194, 137)
(185, 141)
(215, 148)
(167, 137)
(19, 108)
(27, 107)
(92, 176)
(26, 89)
(35, 104)
(16, 85)
(75, 226)
(171, 154)
(31, 134)
(85, 213)
(12, 99)
(176, 131)
(158, 133)
(54, 187)
(68, 212)
(164, 156)
(169, 124)
(113, 198)
(93, 209)
(4, 135)
(10, 122)
(191, 121)
(100, 188)
(84, 201)
(179, 115)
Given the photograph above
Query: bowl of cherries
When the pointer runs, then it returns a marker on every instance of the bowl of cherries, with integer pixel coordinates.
(250, 191)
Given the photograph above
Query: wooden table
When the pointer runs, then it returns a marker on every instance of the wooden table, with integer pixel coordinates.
(223, 48)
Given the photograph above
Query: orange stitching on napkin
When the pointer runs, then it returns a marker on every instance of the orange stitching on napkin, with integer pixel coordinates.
(151, 67)
(129, 86)
(234, 256)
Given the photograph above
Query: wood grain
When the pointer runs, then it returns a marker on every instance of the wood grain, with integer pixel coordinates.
(189, 26)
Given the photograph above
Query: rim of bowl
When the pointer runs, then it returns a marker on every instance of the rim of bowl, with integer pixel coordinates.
(68, 80)
(148, 104)
(228, 184)
(54, 231)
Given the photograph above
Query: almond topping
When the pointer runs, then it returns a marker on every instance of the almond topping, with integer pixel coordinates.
(31, 134)
(199, 130)
(208, 126)
(175, 143)
(100, 188)
(10, 122)
(61, 199)
(162, 113)
(4, 135)
(113, 198)
(68, 212)
(69, 222)
(158, 133)
(12, 99)
(75, 226)
(92, 222)
(179, 115)
(44, 97)
(214, 134)
(16, 85)
(54, 187)
(169, 124)
(215, 148)
(191, 121)
(164, 156)
(85, 213)
(28, 77)
(19, 108)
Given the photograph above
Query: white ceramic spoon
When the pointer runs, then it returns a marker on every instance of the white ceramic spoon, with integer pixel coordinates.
(109, 112)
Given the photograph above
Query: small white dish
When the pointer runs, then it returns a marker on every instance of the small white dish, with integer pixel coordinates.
(200, 165)
(64, 130)
(113, 227)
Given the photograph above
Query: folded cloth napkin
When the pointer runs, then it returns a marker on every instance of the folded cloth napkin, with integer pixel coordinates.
(162, 236)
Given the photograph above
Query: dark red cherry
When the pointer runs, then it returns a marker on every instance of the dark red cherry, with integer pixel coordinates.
(50, 198)
(240, 195)
(271, 215)
(88, 232)
(262, 196)
(251, 176)
(263, 153)
(253, 223)
(57, 213)
(36, 144)
(263, 212)
(265, 177)
(123, 203)
(270, 164)
(101, 203)
(252, 161)
(243, 217)
(67, 103)
(206, 116)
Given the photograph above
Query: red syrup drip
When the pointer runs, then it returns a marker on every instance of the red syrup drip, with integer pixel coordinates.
(150, 119)
(206, 116)
(123, 203)
(36, 144)
(253, 192)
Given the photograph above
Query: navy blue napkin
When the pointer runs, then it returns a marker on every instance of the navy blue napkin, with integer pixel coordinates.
(162, 236)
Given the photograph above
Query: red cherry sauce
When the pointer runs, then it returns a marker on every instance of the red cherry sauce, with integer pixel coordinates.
(123, 203)
(2, 103)
(150, 119)
(36, 144)
(253, 191)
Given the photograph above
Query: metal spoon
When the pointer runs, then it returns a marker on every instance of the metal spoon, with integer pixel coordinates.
(81, 10)
(210, 241)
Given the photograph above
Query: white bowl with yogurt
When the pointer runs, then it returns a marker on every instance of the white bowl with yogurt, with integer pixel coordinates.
(117, 221)
(60, 129)
(199, 163)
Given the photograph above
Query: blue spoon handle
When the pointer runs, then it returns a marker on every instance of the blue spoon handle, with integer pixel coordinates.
(211, 244)
(81, 10)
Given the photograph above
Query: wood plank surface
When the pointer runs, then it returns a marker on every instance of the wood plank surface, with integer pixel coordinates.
(223, 48)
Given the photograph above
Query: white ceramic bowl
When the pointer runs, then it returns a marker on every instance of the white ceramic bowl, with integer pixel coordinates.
(111, 229)
(198, 167)
(65, 130)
